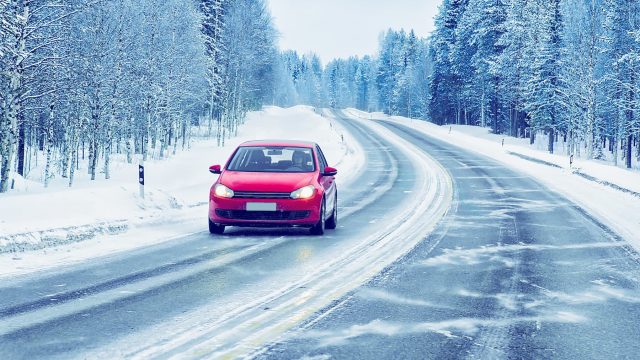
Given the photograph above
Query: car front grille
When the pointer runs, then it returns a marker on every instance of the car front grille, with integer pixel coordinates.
(261, 195)
(262, 215)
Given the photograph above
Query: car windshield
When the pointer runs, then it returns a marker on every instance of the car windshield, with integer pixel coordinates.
(283, 159)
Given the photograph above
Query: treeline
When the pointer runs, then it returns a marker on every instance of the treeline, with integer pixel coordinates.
(568, 69)
(551, 70)
(87, 79)
(396, 81)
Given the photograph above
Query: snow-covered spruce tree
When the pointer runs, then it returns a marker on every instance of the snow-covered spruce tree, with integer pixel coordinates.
(364, 84)
(336, 84)
(370, 67)
(284, 91)
(446, 99)
(304, 73)
(583, 33)
(405, 99)
(309, 80)
(513, 66)
(398, 64)
(390, 63)
(621, 76)
(542, 83)
(398, 68)
(340, 82)
(471, 98)
(476, 54)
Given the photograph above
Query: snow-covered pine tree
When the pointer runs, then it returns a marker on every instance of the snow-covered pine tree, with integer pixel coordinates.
(445, 105)
(542, 84)
(621, 77)
(512, 64)
(388, 67)
(582, 38)
(363, 84)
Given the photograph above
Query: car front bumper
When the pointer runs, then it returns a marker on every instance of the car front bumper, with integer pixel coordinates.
(289, 212)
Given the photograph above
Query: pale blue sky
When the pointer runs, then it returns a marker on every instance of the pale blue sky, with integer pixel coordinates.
(340, 28)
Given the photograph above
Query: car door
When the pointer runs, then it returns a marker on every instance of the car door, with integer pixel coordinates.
(327, 182)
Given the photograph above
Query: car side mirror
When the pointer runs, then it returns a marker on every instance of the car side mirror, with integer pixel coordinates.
(215, 169)
(329, 171)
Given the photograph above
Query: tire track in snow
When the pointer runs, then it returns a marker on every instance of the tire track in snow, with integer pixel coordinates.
(251, 327)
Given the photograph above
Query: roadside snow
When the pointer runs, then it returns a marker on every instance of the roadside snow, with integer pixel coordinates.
(176, 193)
(617, 209)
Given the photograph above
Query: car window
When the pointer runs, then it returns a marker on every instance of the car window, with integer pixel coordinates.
(272, 159)
(321, 158)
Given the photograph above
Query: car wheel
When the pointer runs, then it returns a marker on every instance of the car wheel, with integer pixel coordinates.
(332, 222)
(215, 228)
(318, 228)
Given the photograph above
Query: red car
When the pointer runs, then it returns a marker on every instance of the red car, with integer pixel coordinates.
(274, 184)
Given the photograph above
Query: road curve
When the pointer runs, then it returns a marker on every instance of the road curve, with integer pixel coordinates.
(239, 290)
(513, 271)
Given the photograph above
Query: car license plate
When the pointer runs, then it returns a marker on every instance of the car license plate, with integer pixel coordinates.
(261, 206)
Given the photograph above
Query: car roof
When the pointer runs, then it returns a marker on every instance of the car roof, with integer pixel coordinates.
(294, 143)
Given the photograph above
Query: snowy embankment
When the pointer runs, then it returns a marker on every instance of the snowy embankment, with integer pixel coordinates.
(606, 192)
(113, 215)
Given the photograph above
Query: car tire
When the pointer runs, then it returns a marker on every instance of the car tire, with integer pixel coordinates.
(332, 222)
(318, 228)
(215, 228)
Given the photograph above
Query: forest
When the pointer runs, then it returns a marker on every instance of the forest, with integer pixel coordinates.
(83, 80)
(567, 69)
(548, 70)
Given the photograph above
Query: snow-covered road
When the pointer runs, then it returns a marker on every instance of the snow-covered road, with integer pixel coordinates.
(440, 253)
(513, 271)
(198, 296)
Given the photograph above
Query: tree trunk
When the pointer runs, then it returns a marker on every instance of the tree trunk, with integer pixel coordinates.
(184, 133)
(21, 148)
(94, 160)
(47, 167)
(64, 163)
(91, 144)
(4, 170)
(629, 152)
(614, 145)
(175, 138)
(532, 136)
(145, 140)
(631, 100)
(74, 156)
(107, 155)
(129, 152)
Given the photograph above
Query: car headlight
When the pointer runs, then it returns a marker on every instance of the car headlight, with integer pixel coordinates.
(304, 193)
(223, 191)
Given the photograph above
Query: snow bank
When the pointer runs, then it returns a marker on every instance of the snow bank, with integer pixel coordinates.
(176, 188)
(619, 210)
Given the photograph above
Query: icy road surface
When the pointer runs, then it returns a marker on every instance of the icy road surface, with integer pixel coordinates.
(514, 271)
(203, 296)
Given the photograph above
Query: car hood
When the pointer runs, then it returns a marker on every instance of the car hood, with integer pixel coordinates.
(265, 182)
